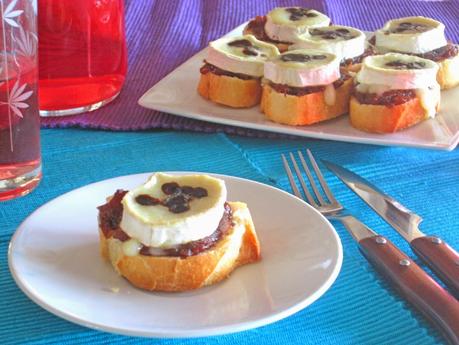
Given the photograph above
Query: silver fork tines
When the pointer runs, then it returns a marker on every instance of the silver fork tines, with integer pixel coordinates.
(332, 205)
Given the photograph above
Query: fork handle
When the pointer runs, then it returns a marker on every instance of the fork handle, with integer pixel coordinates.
(414, 285)
(441, 258)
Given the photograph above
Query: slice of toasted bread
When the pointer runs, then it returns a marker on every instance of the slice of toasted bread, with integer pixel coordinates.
(165, 273)
(304, 110)
(383, 119)
(448, 74)
(230, 91)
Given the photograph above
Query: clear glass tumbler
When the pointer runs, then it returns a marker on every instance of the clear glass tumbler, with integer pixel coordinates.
(20, 160)
(82, 54)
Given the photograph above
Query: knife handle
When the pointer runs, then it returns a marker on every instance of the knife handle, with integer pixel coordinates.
(414, 285)
(441, 258)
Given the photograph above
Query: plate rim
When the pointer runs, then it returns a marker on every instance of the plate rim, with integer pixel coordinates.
(284, 129)
(202, 332)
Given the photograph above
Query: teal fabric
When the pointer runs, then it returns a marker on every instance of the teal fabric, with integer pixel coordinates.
(358, 309)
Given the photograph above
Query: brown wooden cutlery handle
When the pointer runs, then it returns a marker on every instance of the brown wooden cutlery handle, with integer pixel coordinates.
(441, 258)
(414, 285)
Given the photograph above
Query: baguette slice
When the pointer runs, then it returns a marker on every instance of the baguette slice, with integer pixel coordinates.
(304, 110)
(382, 119)
(448, 74)
(230, 91)
(238, 247)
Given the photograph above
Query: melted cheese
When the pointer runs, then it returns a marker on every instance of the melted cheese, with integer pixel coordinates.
(429, 99)
(330, 95)
(131, 247)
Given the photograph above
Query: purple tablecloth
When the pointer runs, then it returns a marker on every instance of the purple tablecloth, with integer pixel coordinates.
(162, 34)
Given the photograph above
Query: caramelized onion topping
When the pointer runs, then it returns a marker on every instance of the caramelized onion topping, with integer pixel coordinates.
(297, 57)
(333, 34)
(208, 68)
(440, 54)
(408, 27)
(248, 48)
(388, 98)
(297, 13)
(301, 91)
(110, 217)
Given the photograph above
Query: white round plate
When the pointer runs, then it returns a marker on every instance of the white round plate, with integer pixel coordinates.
(54, 258)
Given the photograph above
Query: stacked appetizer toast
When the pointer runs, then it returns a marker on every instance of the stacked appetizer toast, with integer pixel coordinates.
(176, 233)
(302, 70)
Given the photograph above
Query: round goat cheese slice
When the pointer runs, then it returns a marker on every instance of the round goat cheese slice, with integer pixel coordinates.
(242, 54)
(414, 35)
(398, 71)
(170, 210)
(303, 67)
(343, 41)
(287, 24)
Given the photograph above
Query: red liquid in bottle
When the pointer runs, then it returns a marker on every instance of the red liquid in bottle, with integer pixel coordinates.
(82, 53)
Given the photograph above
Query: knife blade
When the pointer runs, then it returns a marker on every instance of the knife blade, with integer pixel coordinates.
(437, 254)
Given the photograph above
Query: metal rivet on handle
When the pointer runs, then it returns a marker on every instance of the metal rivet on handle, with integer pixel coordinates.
(381, 240)
(405, 262)
(435, 240)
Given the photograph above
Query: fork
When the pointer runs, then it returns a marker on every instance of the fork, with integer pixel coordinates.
(410, 280)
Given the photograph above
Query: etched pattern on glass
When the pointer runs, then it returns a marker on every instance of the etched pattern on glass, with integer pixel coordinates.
(18, 51)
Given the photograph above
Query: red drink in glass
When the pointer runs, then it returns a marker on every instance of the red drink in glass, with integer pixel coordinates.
(20, 163)
(82, 54)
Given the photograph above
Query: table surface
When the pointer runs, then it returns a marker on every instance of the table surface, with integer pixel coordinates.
(358, 309)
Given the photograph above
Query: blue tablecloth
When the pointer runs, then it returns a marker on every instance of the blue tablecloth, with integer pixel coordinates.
(358, 309)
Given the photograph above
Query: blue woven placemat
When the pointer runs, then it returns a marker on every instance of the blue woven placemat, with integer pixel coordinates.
(358, 309)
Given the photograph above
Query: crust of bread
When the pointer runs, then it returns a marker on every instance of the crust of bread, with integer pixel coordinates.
(283, 47)
(381, 119)
(238, 247)
(448, 74)
(230, 91)
(304, 110)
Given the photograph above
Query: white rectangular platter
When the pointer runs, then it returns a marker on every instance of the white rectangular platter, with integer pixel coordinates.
(176, 94)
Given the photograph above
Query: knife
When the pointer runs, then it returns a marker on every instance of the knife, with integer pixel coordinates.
(437, 254)
(410, 280)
